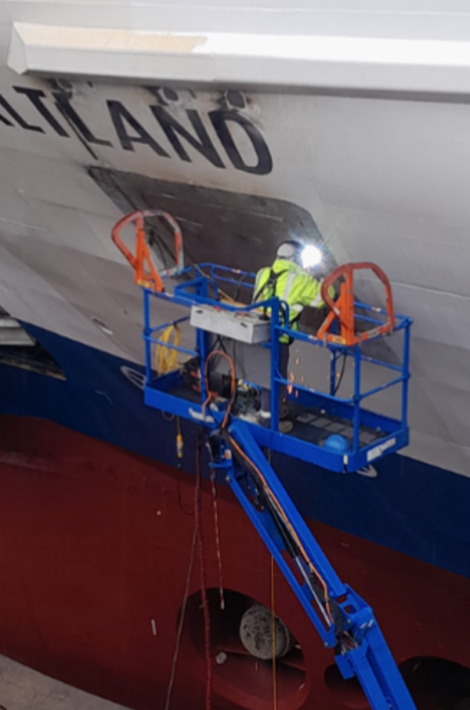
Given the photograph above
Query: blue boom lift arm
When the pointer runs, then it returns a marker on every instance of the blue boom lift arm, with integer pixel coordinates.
(343, 620)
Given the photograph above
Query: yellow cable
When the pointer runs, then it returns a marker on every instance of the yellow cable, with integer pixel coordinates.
(165, 357)
(179, 439)
(273, 635)
(166, 360)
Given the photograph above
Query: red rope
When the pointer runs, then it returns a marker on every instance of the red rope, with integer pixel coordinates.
(205, 605)
(217, 539)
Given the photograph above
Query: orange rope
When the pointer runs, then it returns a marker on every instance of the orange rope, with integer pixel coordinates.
(217, 538)
(289, 526)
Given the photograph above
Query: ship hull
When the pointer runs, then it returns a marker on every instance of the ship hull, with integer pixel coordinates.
(97, 520)
(95, 552)
(97, 542)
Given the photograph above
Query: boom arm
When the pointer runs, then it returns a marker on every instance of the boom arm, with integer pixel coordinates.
(342, 619)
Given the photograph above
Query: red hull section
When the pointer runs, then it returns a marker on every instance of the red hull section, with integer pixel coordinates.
(94, 552)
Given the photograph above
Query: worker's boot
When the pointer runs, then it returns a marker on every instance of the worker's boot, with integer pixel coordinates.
(250, 417)
(285, 426)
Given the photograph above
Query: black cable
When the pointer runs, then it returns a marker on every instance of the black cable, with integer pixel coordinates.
(239, 286)
(220, 342)
(290, 544)
(340, 378)
(154, 240)
(161, 242)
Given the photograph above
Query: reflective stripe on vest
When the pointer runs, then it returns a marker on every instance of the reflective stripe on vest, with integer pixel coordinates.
(288, 287)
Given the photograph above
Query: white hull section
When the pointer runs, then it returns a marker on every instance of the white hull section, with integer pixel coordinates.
(382, 178)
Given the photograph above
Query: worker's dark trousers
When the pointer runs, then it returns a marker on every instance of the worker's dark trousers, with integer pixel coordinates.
(266, 394)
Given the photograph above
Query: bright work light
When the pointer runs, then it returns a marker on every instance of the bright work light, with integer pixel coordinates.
(311, 256)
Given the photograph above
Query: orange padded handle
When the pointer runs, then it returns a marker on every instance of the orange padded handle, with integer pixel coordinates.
(343, 308)
(142, 258)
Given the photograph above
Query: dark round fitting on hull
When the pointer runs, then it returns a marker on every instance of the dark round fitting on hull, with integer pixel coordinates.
(256, 634)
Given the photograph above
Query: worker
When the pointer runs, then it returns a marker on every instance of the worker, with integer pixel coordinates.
(288, 280)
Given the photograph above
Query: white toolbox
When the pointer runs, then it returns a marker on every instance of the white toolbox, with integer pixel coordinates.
(246, 327)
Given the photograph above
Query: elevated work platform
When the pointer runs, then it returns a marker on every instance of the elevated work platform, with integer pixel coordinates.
(361, 435)
(336, 433)
(342, 619)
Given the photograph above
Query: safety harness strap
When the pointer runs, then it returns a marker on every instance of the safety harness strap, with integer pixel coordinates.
(271, 282)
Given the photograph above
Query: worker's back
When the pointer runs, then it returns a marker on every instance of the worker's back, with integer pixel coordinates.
(290, 283)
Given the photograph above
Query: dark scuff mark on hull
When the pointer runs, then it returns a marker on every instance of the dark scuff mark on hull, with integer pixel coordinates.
(234, 229)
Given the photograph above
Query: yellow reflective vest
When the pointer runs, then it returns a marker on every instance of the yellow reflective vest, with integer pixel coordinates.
(290, 283)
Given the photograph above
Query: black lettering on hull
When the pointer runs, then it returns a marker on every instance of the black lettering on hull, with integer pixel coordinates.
(172, 129)
(5, 121)
(220, 119)
(130, 131)
(67, 110)
(16, 117)
(36, 97)
(119, 114)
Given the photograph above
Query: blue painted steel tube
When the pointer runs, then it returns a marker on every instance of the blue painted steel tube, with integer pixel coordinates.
(368, 319)
(165, 344)
(202, 341)
(244, 279)
(386, 386)
(194, 283)
(406, 377)
(368, 307)
(275, 378)
(310, 339)
(333, 357)
(380, 363)
(148, 347)
(233, 282)
(228, 269)
(202, 352)
(324, 395)
(167, 324)
(150, 339)
(357, 398)
(189, 299)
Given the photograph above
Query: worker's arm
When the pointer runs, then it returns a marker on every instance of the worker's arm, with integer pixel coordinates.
(310, 292)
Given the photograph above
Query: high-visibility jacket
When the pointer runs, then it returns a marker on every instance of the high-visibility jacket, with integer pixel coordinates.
(290, 283)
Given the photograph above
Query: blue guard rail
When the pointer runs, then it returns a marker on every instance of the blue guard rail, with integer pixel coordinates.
(203, 284)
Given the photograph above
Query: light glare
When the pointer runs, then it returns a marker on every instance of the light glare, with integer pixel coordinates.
(311, 256)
